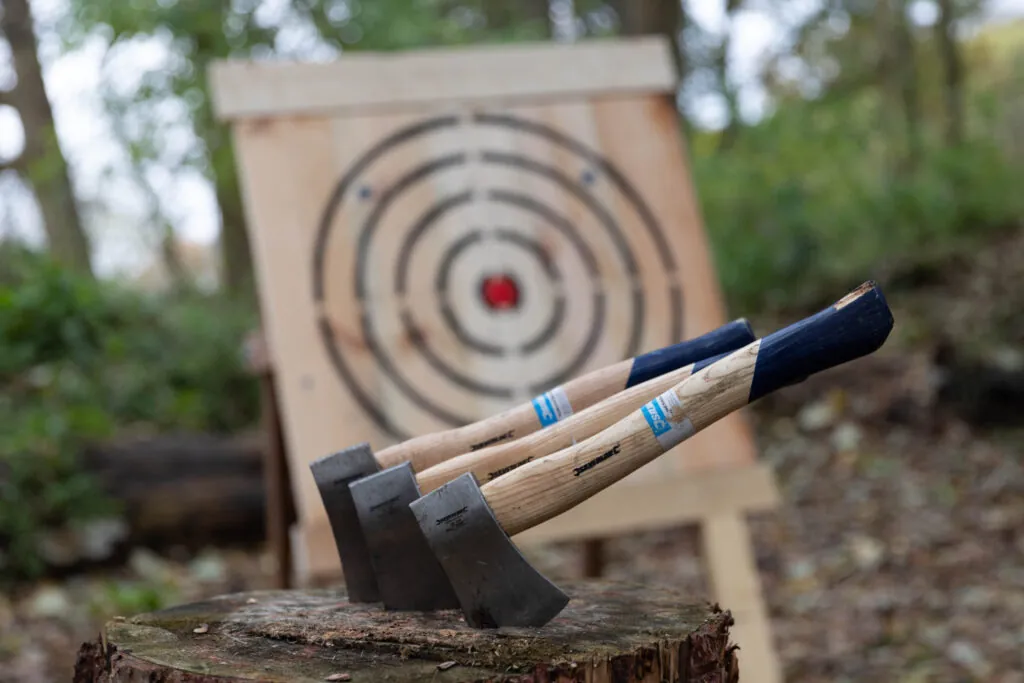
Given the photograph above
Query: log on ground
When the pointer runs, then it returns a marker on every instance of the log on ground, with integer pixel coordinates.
(184, 489)
(609, 631)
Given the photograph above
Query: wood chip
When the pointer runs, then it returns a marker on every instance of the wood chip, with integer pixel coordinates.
(444, 666)
(251, 601)
(339, 677)
(202, 628)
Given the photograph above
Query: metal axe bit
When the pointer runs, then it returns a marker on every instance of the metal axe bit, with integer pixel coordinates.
(408, 575)
(333, 473)
(469, 527)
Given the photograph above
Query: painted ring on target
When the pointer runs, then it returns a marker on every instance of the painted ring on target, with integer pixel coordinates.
(580, 187)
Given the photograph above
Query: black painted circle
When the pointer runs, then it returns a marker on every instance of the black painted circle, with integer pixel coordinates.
(453, 252)
(593, 167)
(451, 319)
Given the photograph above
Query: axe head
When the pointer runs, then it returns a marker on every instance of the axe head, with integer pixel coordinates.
(332, 474)
(494, 583)
(408, 575)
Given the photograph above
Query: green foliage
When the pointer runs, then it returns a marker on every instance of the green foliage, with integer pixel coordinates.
(125, 598)
(80, 359)
(808, 202)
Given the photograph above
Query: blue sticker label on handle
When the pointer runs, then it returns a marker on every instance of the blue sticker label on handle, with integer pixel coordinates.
(664, 417)
(552, 406)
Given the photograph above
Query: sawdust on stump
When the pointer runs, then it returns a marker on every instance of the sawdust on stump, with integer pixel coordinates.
(608, 632)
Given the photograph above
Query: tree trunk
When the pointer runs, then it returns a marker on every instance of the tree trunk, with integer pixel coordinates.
(502, 17)
(177, 271)
(952, 65)
(898, 76)
(608, 632)
(653, 17)
(42, 162)
(174, 266)
(728, 92)
(234, 236)
(906, 63)
(732, 126)
(538, 12)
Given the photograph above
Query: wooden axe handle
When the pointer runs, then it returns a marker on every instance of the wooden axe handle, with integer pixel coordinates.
(854, 326)
(428, 450)
(495, 461)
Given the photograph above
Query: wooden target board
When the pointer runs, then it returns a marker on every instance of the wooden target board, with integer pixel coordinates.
(479, 258)
(443, 234)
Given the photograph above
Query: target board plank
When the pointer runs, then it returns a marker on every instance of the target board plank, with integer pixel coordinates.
(432, 262)
(441, 75)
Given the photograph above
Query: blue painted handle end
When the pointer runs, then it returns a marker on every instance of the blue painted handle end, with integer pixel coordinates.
(728, 337)
(855, 326)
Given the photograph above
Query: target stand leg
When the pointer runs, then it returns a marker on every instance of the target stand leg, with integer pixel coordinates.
(732, 572)
(280, 505)
(593, 558)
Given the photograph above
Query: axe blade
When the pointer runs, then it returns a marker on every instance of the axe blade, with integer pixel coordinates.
(332, 474)
(409, 577)
(496, 586)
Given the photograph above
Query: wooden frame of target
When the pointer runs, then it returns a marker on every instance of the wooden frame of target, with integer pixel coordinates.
(442, 234)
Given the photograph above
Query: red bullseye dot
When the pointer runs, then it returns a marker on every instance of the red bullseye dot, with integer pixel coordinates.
(500, 292)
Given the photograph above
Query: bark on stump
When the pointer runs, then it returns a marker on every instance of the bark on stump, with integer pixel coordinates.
(608, 632)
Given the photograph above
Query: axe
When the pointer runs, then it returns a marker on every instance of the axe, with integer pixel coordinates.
(408, 575)
(334, 473)
(469, 526)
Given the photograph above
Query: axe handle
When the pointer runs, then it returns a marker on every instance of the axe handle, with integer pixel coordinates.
(855, 326)
(490, 463)
(428, 450)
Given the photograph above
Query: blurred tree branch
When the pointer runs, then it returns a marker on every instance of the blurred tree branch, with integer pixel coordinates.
(14, 164)
(653, 17)
(952, 63)
(137, 163)
(897, 71)
(200, 33)
(667, 18)
(732, 126)
(42, 163)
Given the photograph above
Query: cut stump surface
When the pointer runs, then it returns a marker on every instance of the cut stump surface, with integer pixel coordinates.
(608, 632)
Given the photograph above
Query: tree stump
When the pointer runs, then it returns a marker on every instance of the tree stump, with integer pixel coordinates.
(608, 632)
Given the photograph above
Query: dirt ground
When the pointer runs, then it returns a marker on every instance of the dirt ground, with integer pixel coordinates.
(898, 554)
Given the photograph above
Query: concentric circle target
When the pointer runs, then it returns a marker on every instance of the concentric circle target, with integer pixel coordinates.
(465, 263)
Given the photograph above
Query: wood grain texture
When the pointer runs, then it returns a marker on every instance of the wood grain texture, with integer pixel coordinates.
(667, 503)
(296, 149)
(642, 152)
(510, 428)
(544, 488)
(610, 632)
(532, 71)
(855, 326)
(429, 450)
(660, 504)
(496, 461)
